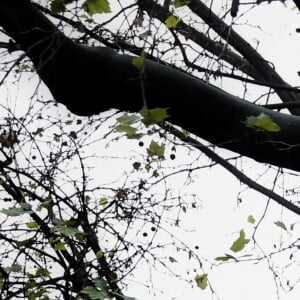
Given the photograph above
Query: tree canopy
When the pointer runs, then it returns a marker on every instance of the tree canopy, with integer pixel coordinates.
(153, 67)
(191, 101)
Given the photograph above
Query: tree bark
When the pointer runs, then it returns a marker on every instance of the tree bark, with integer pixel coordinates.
(91, 80)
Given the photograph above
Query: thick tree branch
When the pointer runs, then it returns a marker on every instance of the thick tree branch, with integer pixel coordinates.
(92, 80)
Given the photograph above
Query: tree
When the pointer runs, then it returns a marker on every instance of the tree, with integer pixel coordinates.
(89, 80)
(164, 87)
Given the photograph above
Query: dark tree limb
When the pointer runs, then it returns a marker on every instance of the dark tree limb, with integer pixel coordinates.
(91, 80)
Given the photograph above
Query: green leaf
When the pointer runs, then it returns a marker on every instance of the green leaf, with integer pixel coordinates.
(36, 294)
(32, 225)
(262, 122)
(154, 116)
(71, 222)
(57, 221)
(103, 201)
(60, 246)
(30, 283)
(26, 207)
(80, 236)
(251, 219)
(201, 281)
(42, 272)
(47, 203)
(131, 132)
(179, 3)
(99, 254)
(240, 243)
(16, 211)
(101, 284)
(96, 6)
(32, 185)
(101, 292)
(95, 294)
(25, 67)
(14, 268)
(67, 230)
(57, 6)
(125, 126)
(24, 242)
(225, 258)
(281, 225)
(66, 227)
(13, 212)
(186, 134)
(156, 150)
(53, 240)
(139, 61)
(251, 122)
(172, 21)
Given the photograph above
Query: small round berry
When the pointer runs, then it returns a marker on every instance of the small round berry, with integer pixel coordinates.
(172, 156)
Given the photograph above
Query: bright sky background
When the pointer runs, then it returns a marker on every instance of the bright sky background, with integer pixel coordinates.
(216, 224)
